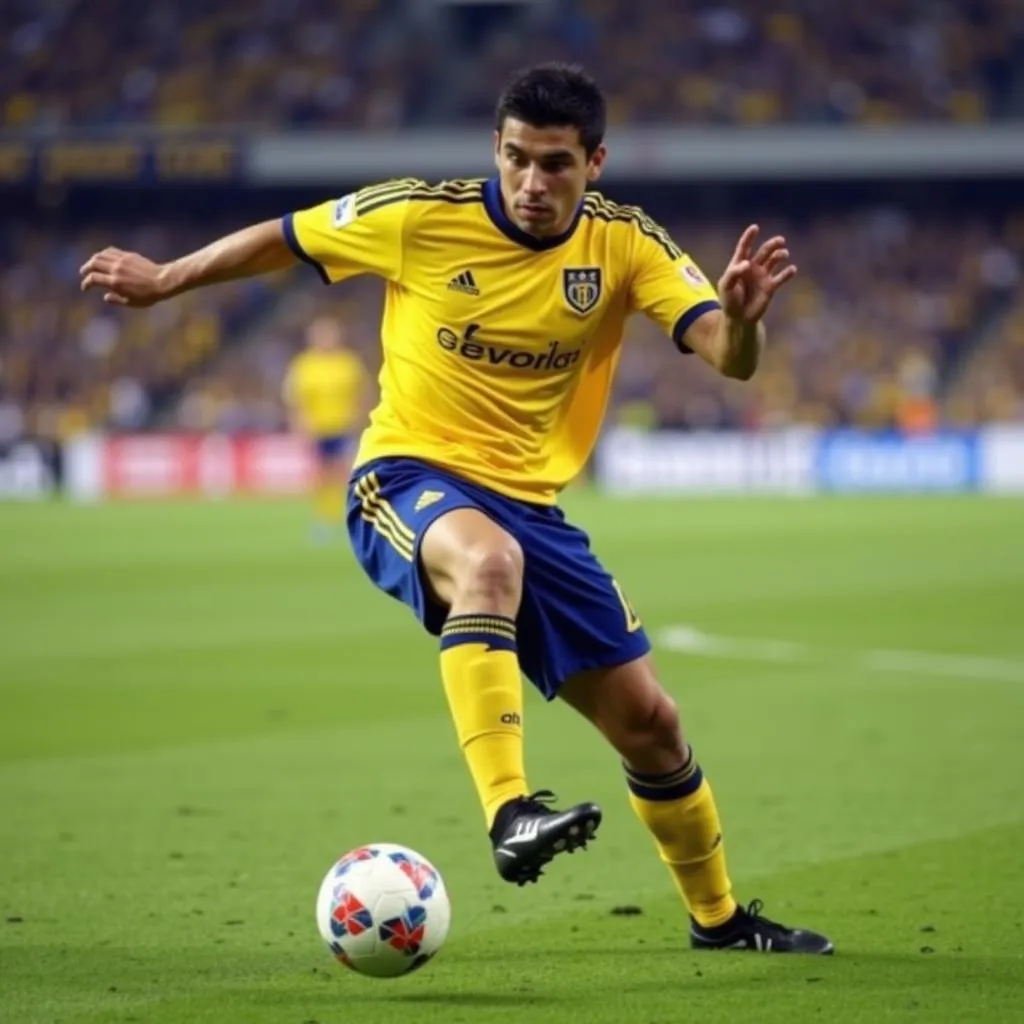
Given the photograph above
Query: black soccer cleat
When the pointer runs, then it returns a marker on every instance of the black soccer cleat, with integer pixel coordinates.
(747, 929)
(527, 834)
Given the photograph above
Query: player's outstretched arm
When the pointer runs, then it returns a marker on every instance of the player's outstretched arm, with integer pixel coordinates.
(731, 340)
(129, 279)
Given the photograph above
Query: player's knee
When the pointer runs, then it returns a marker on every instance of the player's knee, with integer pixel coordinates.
(490, 576)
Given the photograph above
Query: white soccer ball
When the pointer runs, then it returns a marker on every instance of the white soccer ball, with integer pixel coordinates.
(383, 910)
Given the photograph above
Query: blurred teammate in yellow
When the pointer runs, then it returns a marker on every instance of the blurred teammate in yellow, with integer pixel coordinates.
(325, 390)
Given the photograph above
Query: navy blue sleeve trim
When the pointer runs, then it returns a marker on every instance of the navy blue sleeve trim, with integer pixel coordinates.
(293, 243)
(683, 323)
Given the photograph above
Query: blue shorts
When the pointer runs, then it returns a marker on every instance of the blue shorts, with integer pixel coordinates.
(573, 614)
(332, 447)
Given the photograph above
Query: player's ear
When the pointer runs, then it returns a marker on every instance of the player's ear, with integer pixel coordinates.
(596, 163)
(497, 149)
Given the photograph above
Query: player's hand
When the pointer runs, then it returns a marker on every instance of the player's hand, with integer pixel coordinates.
(129, 279)
(752, 278)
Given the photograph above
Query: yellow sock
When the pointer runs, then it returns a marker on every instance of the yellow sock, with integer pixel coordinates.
(679, 810)
(485, 693)
(329, 503)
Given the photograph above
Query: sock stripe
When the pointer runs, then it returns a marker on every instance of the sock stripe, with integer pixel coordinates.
(496, 624)
(673, 785)
(492, 641)
(459, 631)
(664, 778)
(496, 631)
(499, 620)
(500, 627)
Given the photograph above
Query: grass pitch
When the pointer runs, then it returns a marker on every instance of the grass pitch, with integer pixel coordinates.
(199, 711)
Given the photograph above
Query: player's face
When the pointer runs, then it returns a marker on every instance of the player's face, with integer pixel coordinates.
(544, 173)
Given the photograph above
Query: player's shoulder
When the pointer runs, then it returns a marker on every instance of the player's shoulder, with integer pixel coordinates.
(629, 220)
(419, 194)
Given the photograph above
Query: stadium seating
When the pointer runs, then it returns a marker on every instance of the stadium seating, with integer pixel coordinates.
(68, 362)
(877, 330)
(365, 63)
(745, 62)
(895, 319)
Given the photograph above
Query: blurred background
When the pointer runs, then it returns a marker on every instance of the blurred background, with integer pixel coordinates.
(885, 139)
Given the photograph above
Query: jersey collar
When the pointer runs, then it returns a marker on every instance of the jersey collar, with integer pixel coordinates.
(495, 207)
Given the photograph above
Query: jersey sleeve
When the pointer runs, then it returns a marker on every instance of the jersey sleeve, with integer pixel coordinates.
(667, 285)
(361, 233)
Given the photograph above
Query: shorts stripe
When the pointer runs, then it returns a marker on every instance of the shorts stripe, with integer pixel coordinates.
(378, 511)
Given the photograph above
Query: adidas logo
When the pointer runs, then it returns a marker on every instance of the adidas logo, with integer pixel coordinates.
(464, 283)
(526, 831)
(426, 499)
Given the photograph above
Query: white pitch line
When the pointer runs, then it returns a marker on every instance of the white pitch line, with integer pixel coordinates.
(959, 666)
(692, 641)
(687, 640)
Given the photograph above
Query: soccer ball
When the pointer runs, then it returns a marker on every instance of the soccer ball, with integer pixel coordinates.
(383, 910)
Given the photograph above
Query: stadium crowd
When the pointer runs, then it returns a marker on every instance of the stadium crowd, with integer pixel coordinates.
(896, 318)
(745, 62)
(68, 362)
(370, 63)
(892, 321)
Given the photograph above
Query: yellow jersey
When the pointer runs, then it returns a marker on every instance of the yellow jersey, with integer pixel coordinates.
(499, 348)
(325, 387)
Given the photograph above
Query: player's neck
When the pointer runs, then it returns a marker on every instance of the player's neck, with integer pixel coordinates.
(494, 204)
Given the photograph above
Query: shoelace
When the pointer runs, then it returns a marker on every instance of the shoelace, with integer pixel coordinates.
(753, 911)
(539, 801)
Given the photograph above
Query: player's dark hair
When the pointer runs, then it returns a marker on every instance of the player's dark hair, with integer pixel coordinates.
(555, 95)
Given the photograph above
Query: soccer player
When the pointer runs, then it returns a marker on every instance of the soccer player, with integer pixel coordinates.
(325, 389)
(505, 306)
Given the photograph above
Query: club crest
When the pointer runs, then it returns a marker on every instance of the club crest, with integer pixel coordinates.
(581, 287)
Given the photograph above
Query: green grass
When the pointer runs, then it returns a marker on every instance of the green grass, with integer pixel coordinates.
(199, 712)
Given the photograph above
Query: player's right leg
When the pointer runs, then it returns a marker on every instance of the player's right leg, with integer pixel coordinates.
(423, 537)
(474, 568)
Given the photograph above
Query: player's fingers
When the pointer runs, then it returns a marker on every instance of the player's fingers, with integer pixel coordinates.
(771, 246)
(97, 279)
(779, 279)
(734, 272)
(104, 259)
(98, 261)
(114, 299)
(745, 246)
(776, 259)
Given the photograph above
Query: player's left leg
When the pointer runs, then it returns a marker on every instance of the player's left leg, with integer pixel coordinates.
(669, 793)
